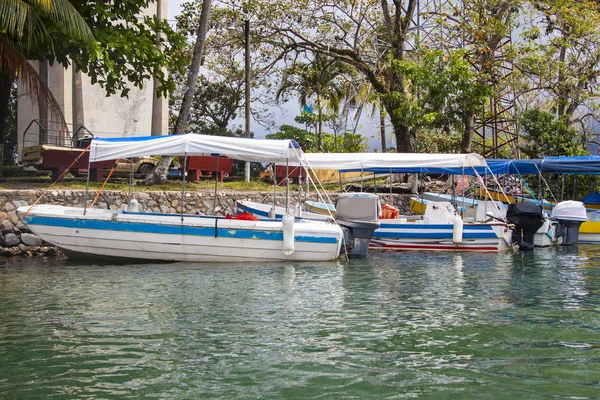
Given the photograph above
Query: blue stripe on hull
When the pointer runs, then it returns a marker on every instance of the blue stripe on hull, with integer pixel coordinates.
(417, 226)
(136, 227)
(433, 235)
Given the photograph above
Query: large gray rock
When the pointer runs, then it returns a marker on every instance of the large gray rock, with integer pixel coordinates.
(11, 240)
(31, 240)
(6, 226)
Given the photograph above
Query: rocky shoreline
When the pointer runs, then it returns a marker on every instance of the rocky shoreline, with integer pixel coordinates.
(17, 240)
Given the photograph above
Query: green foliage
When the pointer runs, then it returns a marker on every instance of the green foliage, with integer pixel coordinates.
(428, 141)
(546, 135)
(129, 48)
(346, 143)
(444, 91)
(305, 139)
(214, 106)
(504, 150)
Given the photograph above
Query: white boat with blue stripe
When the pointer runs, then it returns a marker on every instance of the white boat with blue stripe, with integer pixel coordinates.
(130, 234)
(441, 227)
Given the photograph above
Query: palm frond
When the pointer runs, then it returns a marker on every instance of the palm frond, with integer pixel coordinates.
(12, 62)
(16, 15)
(13, 16)
(67, 17)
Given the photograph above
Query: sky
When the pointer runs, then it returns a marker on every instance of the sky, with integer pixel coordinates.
(368, 127)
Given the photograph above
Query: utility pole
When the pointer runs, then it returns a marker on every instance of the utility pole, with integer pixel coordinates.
(247, 76)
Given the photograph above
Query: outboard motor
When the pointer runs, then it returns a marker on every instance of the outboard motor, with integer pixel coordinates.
(358, 216)
(528, 219)
(570, 215)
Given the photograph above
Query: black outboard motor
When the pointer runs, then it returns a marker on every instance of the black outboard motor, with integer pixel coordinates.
(570, 215)
(358, 216)
(528, 219)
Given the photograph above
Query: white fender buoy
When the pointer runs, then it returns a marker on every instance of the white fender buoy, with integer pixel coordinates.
(288, 235)
(298, 210)
(133, 206)
(457, 230)
(271, 213)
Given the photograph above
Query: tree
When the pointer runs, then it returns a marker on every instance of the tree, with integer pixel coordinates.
(483, 28)
(28, 27)
(109, 41)
(547, 135)
(356, 32)
(347, 143)
(215, 105)
(318, 79)
(160, 172)
(447, 94)
(560, 58)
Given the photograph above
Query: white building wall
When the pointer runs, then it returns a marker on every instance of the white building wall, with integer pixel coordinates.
(138, 114)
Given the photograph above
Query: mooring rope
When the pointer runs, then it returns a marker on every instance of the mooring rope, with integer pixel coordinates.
(57, 179)
(104, 183)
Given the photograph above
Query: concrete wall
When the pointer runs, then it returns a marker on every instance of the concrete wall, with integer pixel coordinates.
(82, 103)
(16, 239)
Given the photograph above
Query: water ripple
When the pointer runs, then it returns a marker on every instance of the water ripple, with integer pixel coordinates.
(392, 326)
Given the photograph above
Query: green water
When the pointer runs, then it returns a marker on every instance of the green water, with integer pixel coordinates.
(408, 325)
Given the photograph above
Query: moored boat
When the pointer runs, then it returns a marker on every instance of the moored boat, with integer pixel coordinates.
(442, 227)
(129, 234)
(357, 215)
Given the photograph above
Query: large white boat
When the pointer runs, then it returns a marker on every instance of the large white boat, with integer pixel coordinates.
(129, 234)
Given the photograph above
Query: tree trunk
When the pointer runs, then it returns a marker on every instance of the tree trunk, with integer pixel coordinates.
(401, 131)
(467, 137)
(320, 133)
(160, 172)
(319, 125)
(382, 127)
(5, 89)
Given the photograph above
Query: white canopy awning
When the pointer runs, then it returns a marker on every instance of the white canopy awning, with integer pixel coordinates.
(260, 150)
(396, 162)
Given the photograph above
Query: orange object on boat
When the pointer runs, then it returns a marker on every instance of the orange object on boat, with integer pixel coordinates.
(246, 216)
(389, 212)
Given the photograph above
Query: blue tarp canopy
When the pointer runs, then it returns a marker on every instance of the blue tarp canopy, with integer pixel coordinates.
(584, 165)
(592, 198)
(522, 167)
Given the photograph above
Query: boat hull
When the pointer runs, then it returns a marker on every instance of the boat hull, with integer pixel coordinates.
(319, 208)
(399, 235)
(169, 237)
(589, 232)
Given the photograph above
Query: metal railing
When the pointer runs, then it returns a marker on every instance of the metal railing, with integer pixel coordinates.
(53, 133)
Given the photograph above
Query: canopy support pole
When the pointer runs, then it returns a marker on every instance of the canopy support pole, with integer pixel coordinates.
(453, 192)
(130, 186)
(183, 183)
(540, 190)
(422, 196)
(287, 184)
(216, 184)
(87, 186)
(300, 167)
(374, 183)
(361, 178)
